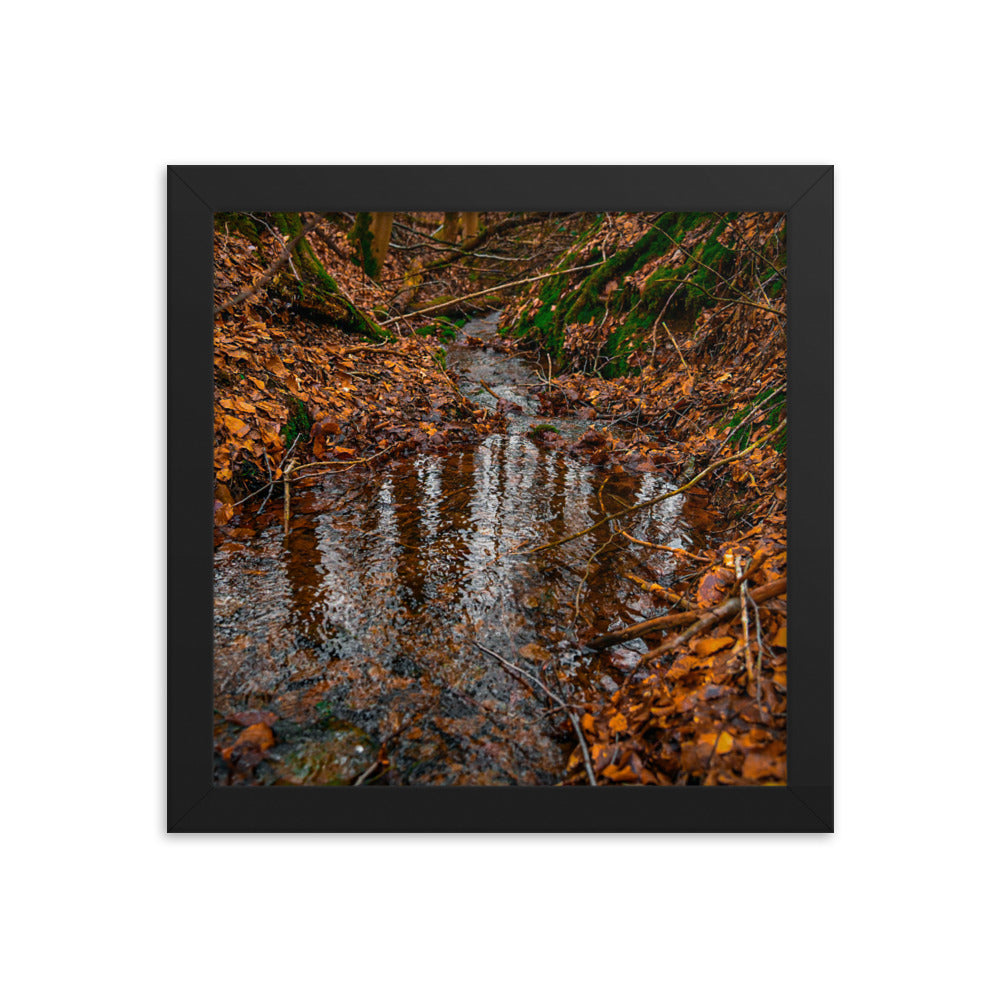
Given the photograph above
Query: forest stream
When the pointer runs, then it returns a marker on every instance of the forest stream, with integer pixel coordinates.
(368, 631)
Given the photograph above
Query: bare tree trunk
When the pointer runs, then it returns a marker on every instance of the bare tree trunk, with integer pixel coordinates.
(470, 224)
(450, 232)
(381, 232)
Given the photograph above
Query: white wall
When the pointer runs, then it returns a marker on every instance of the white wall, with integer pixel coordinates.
(97, 898)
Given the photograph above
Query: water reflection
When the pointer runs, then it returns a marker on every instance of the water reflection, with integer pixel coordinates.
(370, 608)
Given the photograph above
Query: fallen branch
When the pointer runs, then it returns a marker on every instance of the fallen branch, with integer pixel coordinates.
(725, 610)
(283, 259)
(288, 495)
(663, 622)
(486, 291)
(499, 399)
(584, 748)
(471, 243)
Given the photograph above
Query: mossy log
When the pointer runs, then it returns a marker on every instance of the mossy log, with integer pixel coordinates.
(313, 291)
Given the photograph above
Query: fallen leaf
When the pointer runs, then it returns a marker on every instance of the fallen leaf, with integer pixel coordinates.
(705, 647)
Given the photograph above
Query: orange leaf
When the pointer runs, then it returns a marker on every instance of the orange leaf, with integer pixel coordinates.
(618, 723)
(235, 425)
(616, 772)
(705, 647)
(725, 741)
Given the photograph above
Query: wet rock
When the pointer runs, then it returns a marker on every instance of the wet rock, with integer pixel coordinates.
(336, 757)
(624, 659)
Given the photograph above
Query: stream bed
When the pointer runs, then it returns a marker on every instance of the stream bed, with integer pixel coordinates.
(365, 630)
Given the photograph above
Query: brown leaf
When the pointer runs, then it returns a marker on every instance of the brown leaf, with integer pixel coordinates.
(250, 746)
(276, 368)
(764, 764)
(714, 586)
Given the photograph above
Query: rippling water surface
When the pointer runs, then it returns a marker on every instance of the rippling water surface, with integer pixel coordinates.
(360, 629)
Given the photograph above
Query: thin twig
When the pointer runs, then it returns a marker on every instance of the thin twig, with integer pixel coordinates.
(584, 748)
(486, 291)
(273, 269)
(356, 461)
(725, 610)
(680, 354)
(367, 772)
(770, 396)
(760, 645)
(664, 548)
(270, 486)
(499, 399)
(747, 655)
(281, 240)
(730, 286)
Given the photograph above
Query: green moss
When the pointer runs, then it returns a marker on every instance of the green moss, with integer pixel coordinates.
(443, 330)
(361, 238)
(299, 421)
(773, 410)
(316, 293)
(537, 430)
(694, 279)
(236, 222)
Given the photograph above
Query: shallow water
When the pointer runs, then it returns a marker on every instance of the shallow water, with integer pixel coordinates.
(361, 628)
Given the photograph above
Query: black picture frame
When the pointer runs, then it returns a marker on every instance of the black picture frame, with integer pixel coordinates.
(804, 193)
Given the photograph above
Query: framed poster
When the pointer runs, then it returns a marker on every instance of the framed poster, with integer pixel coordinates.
(500, 520)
